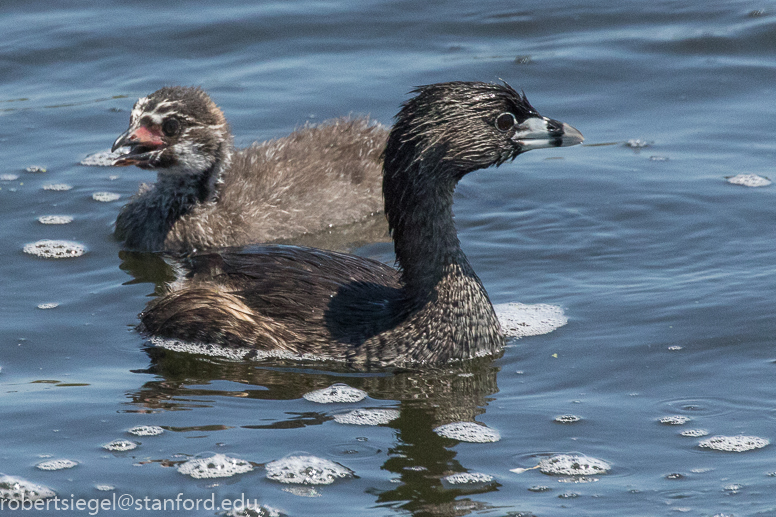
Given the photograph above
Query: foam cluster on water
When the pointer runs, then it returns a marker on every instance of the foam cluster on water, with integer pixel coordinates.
(578, 479)
(14, 488)
(9, 177)
(674, 420)
(467, 479)
(694, 433)
(306, 470)
(35, 168)
(106, 197)
(573, 465)
(55, 219)
(367, 417)
(251, 510)
(468, 432)
(336, 393)
(521, 320)
(146, 430)
(236, 354)
(733, 488)
(749, 180)
(734, 443)
(58, 187)
(55, 249)
(104, 158)
(177, 345)
(637, 143)
(216, 466)
(120, 446)
(56, 464)
(50, 305)
(567, 419)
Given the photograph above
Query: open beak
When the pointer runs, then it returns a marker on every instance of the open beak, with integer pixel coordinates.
(142, 143)
(541, 132)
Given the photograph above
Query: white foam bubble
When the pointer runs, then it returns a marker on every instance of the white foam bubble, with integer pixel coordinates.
(578, 479)
(637, 143)
(176, 345)
(104, 488)
(733, 488)
(120, 446)
(103, 158)
(57, 187)
(35, 168)
(55, 219)
(56, 464)
(146, 430)
(51, 305)
(216, 466)
(367, 417)
(573, 465)
(336, 393)
(749, 180)
(468, 432)
(674, 420)
(734, 443)
(236, 354)
(55, 249)
(567, 419)
(468, 478)
(14, 488)
(306, 470)
(521, 320)
(9, 177)
(694, 433)
(105, 197)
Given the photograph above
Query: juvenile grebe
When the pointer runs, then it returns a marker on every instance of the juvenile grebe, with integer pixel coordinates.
(209, 194)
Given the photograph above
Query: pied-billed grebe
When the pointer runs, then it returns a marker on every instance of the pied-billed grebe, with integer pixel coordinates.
(208, 194)
(291, 301)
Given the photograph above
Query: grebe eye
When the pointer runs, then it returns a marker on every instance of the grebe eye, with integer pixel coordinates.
(171, 126)
(505, 122)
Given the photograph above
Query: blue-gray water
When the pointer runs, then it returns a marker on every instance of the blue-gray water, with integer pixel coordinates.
(666, 271)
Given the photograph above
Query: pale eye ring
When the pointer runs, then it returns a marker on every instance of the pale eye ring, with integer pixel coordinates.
(171, 126)
(505, 121)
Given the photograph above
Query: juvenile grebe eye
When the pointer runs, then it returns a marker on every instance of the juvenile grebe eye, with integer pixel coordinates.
(505, 121)
(171, 126)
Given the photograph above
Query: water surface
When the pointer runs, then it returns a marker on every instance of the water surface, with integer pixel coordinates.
(664, 269)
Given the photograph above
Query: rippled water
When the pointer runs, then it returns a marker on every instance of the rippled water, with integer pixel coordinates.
(664, 269)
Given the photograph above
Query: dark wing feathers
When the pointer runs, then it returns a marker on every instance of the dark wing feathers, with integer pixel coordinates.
(275, 297)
